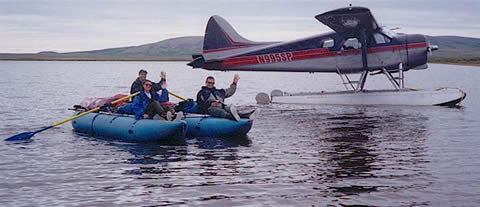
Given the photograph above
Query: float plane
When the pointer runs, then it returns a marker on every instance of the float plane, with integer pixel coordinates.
(357, 45)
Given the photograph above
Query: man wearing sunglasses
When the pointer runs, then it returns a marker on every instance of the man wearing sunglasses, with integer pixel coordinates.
(147, 104)
(210, 100)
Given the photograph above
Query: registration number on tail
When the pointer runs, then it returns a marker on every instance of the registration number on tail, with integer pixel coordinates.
(275, 57)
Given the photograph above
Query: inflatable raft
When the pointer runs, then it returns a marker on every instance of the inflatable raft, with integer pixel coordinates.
(126, 128)
(199, 125)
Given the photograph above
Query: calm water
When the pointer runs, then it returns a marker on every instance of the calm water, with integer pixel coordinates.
(294, 155)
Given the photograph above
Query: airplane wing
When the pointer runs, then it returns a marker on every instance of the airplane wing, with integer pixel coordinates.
(349, 20)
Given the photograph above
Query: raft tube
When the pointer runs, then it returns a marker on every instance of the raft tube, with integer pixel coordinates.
(199, 125)
(126, 128)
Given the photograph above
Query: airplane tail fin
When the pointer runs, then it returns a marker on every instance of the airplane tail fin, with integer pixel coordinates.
(220, 41)
(220, 36)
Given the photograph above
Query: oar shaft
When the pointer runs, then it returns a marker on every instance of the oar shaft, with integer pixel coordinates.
(76, 116)
(183, 99)
(43, 129)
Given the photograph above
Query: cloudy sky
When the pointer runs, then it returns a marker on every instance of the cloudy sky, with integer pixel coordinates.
(76, 25)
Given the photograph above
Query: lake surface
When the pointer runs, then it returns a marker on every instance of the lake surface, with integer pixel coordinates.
(293, 156)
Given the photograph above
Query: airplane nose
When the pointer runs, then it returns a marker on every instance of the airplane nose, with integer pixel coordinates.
(417, 48)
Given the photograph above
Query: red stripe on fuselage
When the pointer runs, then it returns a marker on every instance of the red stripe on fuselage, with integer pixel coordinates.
(387, 48)
(417, 45)
(311, 54)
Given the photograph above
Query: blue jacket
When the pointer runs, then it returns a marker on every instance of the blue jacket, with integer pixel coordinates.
(141, 101)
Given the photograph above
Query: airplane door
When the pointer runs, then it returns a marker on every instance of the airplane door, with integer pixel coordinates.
(349, 57)
(382, 53)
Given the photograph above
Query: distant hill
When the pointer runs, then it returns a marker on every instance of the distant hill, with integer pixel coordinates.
(452, 49)
(180, 48)
(175, 47)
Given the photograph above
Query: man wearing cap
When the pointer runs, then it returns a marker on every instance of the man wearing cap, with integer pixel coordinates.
(137, 85)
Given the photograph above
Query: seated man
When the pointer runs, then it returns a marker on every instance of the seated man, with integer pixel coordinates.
(211, 100)
(142, 76)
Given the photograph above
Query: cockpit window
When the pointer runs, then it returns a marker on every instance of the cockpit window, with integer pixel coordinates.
(389, 33)
(328, 43)
(351, 43)
(380, 38)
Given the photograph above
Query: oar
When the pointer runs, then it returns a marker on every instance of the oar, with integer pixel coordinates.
(183, 99)
(28, 135)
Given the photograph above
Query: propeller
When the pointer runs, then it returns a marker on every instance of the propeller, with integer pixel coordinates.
(431, 48)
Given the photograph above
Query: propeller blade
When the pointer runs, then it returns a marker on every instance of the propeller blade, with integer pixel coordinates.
(432, 48)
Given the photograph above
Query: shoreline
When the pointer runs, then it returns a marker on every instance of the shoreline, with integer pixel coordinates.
(181, 59)
(475, 64)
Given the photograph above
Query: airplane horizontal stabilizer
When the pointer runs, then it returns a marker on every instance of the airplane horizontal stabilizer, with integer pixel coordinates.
(197, 62)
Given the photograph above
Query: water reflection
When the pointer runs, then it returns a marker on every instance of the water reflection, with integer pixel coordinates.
(157, 159)
(152, 153)
(352, 142)
(221, 143)
(368, 143)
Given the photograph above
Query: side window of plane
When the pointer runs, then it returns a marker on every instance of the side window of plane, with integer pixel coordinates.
(380, 38)
(328, 43)
(351, 43)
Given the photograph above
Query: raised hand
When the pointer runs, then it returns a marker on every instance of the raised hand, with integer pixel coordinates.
(163, 75)
(164, 84)
(236, 77)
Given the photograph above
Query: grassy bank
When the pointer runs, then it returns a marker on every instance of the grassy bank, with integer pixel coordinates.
(470, 61)
(35, 57)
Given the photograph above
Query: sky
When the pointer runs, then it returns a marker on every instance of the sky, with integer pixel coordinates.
(30, 26)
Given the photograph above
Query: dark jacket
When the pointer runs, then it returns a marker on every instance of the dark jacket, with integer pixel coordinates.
(206, 96)
(137, 85)
(141, 101)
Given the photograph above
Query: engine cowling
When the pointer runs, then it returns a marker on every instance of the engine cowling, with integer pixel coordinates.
(417, 51)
